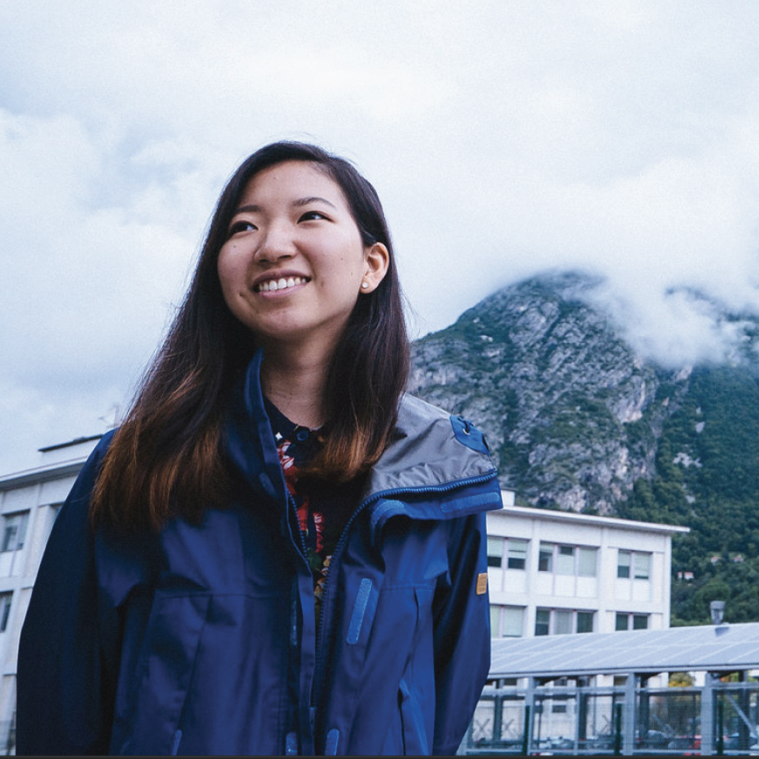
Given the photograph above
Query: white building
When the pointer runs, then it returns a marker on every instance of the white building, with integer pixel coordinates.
(555, 572)
(29, 503)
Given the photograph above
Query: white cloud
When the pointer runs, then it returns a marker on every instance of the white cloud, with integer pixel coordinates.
(504, 138)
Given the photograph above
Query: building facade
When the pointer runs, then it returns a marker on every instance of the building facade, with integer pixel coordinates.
(554, 573)
(557, 572)
(29, 503)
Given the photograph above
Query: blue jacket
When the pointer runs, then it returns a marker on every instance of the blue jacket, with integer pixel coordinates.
(201, 639)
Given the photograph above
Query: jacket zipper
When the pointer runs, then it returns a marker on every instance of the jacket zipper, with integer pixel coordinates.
(319, 667)
(294, 511)
(303, 551)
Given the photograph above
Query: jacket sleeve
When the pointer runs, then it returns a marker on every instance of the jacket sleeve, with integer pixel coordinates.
(462, 633)
(68, 647)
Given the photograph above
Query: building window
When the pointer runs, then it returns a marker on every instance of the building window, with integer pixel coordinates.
(642, 563)
(495, 552)
(5, 610)
(515, 550)
(545, 557)
(565, 560)
(14, 531)
(506, 621)
(542, 621)
(586, 566)
(517, 554)
(568, 560)
(625, 621)
(633, 564)
(585, 621)
(559, 705)
(563, 621)
(640, 621)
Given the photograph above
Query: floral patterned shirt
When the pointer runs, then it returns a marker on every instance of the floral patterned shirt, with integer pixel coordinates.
(323, 508)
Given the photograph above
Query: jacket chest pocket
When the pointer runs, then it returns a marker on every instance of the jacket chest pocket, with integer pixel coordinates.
(357, 622)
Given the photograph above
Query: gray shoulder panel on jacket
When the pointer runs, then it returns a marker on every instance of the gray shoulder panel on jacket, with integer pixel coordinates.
(426, 451)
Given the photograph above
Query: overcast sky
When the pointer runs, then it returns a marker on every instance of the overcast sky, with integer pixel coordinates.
(505, 137)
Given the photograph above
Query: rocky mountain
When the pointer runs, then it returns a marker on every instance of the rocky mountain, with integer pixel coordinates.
(578, 420)
(572, 414)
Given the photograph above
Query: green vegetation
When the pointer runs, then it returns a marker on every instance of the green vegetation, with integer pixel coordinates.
(713, 488)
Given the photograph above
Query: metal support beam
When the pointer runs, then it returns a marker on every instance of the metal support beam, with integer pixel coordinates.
(628, 745)
(581, 714)
(707, 715)
(529, 703)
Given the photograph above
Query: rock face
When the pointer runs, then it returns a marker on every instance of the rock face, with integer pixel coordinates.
(571, 413)
(577, 420)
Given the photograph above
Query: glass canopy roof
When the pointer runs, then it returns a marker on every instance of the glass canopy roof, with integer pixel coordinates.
(713, 648)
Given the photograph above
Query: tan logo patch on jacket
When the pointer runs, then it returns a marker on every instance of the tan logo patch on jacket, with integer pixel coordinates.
(482, 583)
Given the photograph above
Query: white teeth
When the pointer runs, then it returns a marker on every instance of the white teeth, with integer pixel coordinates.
(280, 284)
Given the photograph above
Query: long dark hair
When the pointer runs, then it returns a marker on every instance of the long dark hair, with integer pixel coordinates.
(168, 456)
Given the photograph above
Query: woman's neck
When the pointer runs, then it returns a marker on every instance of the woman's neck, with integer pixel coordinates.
(295, 385)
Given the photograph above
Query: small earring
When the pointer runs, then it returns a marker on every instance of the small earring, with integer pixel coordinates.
(364, 285)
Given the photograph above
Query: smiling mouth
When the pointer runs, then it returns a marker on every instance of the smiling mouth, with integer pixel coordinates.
(283, 283)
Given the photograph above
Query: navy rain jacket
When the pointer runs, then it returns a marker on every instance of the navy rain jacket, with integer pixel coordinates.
(201, 639)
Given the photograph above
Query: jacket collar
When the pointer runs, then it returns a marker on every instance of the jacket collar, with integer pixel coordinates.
(250, 440)
(431, 451)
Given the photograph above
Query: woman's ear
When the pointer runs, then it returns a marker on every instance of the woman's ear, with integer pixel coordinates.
(376, 263)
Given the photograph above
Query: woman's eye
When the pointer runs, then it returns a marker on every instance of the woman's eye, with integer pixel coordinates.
(241, 226)
(312, 216)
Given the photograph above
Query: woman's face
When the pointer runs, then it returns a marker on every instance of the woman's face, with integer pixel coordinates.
(293, 265)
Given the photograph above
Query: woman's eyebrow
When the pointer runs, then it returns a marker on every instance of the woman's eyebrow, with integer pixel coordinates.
(312, 199)
(253, 208)
(247, 209)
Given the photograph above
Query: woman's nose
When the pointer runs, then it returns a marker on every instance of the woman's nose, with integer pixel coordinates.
(276, 244)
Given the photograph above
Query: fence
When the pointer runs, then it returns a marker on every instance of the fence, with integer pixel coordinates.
(629, 719)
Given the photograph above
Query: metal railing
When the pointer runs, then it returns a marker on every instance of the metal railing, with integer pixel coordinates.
(718, 718)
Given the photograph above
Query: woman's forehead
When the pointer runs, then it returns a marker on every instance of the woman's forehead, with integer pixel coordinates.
(291, 179)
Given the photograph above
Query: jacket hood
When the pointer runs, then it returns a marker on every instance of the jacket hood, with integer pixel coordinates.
(431, 448)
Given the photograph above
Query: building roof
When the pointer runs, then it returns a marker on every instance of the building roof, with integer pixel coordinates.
(573, 517)
(69, 443)
(58, 461)
(712, 648)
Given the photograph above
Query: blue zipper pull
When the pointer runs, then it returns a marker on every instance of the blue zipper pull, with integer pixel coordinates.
(175, 742)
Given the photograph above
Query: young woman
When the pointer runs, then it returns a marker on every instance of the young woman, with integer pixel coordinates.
(278, 551)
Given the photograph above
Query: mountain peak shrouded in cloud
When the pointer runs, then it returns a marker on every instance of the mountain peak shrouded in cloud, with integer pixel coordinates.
(674, 329)
(681, 325)
(572, 408)
(505, 139)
